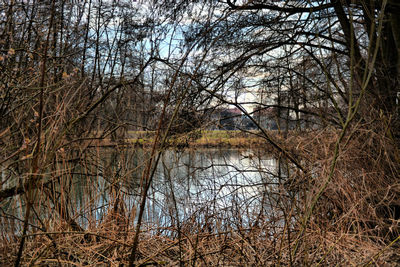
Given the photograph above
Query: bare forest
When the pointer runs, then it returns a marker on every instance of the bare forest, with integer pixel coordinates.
(102, 103)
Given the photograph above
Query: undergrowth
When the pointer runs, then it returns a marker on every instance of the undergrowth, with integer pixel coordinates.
(354, 223)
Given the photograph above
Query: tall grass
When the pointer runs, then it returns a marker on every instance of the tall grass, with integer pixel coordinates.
(353, 222)
(333, 200)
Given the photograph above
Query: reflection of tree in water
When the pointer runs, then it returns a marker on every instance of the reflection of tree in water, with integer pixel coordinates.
(218, 182)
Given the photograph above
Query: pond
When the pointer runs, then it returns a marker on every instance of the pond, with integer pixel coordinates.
(215, 182)
(196, 186)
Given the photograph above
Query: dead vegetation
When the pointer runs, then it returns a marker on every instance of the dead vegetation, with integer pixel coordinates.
(355, 221)
(76, 77)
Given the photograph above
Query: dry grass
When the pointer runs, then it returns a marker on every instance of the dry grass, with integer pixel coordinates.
(365, 186)
(353, 223)
(211, 138)
(258, 246)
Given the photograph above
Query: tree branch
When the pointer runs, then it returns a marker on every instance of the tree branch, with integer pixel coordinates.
(289, 10)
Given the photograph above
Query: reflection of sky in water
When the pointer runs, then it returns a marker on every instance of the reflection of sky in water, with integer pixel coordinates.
(206, 182)
(218, 181)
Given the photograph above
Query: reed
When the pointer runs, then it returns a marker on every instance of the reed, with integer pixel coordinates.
(354, 222)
